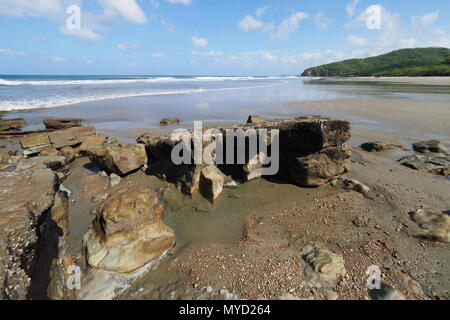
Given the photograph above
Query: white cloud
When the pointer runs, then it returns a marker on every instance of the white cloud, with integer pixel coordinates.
(167, 25)
(249, 23)
(289, 26)
(154, 4)
(183, 2)
(27, 8)
(83, 33)
(59, 59)
(357, 41)
(260, 11)
(88, 61)
(10, 52)
(199, 42)
(322, 21)
(351, 8)
(158, 55)
(407, 43)
(128, 9)
(126, 46)
(207, 53)
(426, 19)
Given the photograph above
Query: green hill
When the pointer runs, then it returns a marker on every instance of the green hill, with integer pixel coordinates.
(404, 62)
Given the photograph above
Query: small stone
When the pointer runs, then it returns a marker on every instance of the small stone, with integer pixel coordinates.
(114, 179)
(231, 185)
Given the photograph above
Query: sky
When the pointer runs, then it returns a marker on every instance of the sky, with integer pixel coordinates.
(209, 37)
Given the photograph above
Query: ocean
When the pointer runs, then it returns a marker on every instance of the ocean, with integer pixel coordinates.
(123, 106)
(32, 92)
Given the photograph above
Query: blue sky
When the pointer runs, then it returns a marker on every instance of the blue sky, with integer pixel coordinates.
(208, 37)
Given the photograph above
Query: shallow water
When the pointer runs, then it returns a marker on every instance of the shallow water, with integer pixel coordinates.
(219, 100)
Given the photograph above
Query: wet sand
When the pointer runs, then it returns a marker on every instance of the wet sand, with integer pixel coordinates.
(389, 119)
(411, 80)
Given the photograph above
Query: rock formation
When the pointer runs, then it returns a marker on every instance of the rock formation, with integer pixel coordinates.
(312, 153)
(28, 234)
(58, 124)
(33, 144)
(11, 124)
(121, 159)
(169, 121)
(127, 239)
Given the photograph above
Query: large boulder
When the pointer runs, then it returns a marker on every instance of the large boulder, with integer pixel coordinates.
(58, 124)
(121, 159)
(128, 232)
(12, 124)
(312, 152)
(316, 169)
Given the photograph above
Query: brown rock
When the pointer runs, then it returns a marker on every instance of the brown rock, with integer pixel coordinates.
(211, 182)
(69, 153)
(435, 164)
(26, 197)
(34, 144)
(169, 121)
(128, 232)
(70, 137)
(318, 168)
(58, 124)
(256, 120)
(433, 226)
(92, 141)
(12, 124)
(430, 146)
(380, 147)
(121, 159)
(49, 152)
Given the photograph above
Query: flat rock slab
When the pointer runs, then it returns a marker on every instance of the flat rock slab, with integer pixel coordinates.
(65, 123)
(58, 139)
(12, 124)
(437, 164)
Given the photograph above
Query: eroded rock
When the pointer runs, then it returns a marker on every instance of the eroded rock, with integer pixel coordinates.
(169, 121)
(433, 226)
(322, 167)
(12, 124)
(33, 144)
(128, 232)
(211, 182)
(256, 120)
(121, 159)
(324, 264)
(58, 124)
(429, 163)
(380, 146)
(430, 146)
